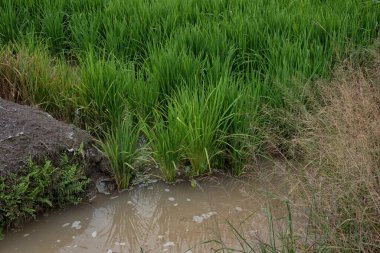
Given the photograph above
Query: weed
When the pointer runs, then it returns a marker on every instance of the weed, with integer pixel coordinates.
(277, 241)
(42, 187)
(340, 143)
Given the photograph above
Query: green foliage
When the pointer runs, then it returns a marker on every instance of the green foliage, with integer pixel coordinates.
(279, 241)
(121, 148)
(102, 91)
(70, 184)
(203, 116)
(90, 61)
(32, 76)
(41, 187)
(165, 141)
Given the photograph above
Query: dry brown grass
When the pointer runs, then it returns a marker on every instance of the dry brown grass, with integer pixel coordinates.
(10, 78)
(341, 144)
(31, 76)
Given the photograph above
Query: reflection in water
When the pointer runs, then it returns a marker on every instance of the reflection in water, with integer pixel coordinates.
(162, 218)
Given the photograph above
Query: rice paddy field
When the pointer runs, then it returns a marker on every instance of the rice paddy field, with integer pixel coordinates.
(196, 86)
(185, 84)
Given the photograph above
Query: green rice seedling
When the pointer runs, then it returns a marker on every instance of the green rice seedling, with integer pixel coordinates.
(120, 146)
(8, 22)
(74, 6)
(165, 140)
(192, 39)
(85, 28)
(171, 68)
(116, 38)
(53, 25)
(142, 98)
(241, 139)
(102, 91)
(204, 116)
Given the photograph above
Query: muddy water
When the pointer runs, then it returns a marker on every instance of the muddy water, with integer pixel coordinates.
(153, 218)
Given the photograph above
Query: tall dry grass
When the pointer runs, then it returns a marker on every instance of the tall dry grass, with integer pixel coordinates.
(341, 145)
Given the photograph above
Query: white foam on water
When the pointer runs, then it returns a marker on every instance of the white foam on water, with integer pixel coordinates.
(203, 216)
(198, 219)
(76, 225)
(65, 225)
(168, 244)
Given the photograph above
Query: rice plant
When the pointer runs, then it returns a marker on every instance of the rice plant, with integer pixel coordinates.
(120, 146)
(204, 116)
(165, 140)
(102, 91)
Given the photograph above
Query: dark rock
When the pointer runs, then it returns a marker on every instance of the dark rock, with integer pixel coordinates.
(105, 185)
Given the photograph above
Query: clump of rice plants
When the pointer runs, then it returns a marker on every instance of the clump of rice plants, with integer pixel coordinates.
(165, 140)
(120, 146)
(102, 91)
(203, 119)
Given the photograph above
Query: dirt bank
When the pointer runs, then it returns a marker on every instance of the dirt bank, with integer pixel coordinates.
(28, 132)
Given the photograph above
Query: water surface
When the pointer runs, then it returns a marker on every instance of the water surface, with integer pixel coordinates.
(154, 218)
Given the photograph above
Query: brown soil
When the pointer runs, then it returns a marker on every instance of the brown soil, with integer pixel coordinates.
(28, 132)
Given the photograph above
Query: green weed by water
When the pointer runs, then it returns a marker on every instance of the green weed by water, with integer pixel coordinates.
(42, 187)
(277, 242)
